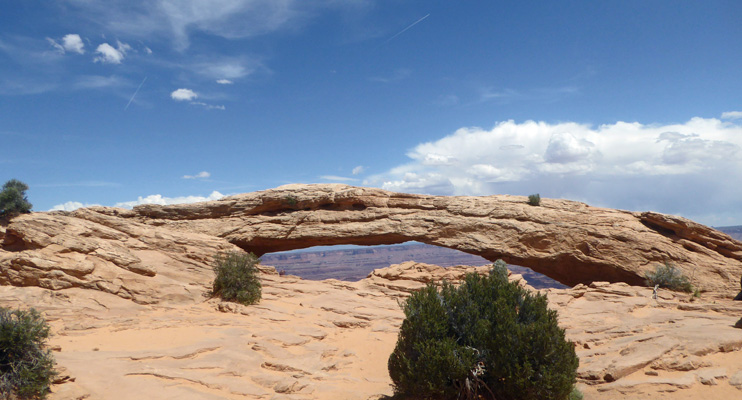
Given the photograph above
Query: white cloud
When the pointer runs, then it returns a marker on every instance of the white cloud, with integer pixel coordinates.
(689, 168)
(358, 170)
(73, 43)
(71, 206)
(224, 70)
(209, 106)
(731, 115)
(98, 82)
(108, 54)
(161, 200)
(180, 18)
(70, 43)
(183, 95)
(200, 175)
(337, 178)
(189, 95)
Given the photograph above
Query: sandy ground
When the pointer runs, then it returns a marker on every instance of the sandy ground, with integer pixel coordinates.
(331, 340)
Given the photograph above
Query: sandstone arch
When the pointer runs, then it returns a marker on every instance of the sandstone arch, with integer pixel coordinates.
(565, 240)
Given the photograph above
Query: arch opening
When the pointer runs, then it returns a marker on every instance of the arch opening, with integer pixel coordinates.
(353, 262)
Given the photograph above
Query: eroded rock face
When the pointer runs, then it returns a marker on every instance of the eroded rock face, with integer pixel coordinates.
(565, 240)
(118, 250)
(90, 250)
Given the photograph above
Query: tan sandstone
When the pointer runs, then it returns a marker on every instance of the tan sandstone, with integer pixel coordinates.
(124, 293)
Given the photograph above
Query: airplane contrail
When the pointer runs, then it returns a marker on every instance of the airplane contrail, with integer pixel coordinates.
(135, 93)
(405, 29)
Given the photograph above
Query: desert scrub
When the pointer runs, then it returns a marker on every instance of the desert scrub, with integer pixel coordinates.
(13, 199)
(534, 199)
(26, 366)
(669, 277)
(236, 277)
(291, 200)
(576, 394)
(487, 337)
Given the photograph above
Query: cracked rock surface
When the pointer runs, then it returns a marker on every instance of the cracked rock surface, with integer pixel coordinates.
(331, 339)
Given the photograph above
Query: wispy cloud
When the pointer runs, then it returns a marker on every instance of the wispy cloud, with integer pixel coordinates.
(224, 81)
(398, 75)
(179, 19)
(488, 94)
(200, 175)
(209, 106)
(226, 69)
(98, 82)
(731, 115)
(337, 178)
(359, 170)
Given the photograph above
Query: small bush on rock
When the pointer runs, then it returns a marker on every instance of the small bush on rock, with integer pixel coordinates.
(236, 277)
(13, 199)
(534, 199)
(488, 338)
(669, 277)
(26, 367)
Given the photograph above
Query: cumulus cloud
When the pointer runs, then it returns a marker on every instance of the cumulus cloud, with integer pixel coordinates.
(71, 206)
(731, 115)
(70, 43)
(358, 170)
(689, 168)
(224, 81)
(108, 54)
(163, 201)
(200, 175)
(183, 95)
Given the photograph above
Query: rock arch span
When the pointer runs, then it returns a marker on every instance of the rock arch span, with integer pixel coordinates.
(568, 241)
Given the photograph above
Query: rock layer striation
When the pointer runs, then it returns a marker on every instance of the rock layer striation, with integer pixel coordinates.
(568, 241)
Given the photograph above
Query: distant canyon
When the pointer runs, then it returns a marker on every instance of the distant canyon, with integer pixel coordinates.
(354, 264)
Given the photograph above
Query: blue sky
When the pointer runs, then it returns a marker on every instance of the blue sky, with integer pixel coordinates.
(626, 104)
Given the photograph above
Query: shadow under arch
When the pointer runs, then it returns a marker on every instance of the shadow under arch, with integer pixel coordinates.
(563, 268)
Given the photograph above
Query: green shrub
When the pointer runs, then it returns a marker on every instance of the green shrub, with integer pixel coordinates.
(13, 199)
(26, 367)
(236, 277)
(534, 199)
(669, 277)
(576, 394)
(291, 200)
(488, 337)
